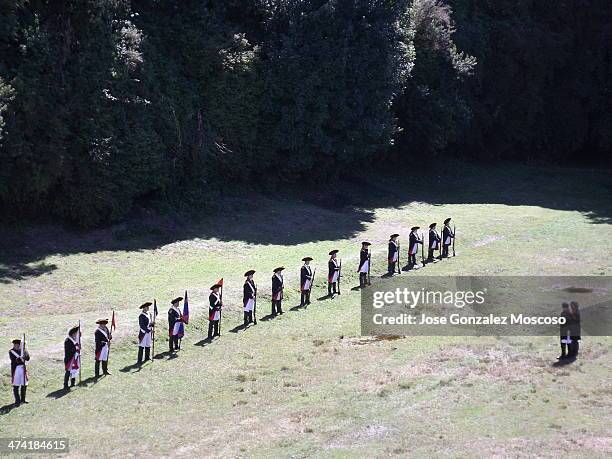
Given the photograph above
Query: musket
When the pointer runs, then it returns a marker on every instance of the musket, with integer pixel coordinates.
(423, 248)
(23, 359)
(255, 306)
(314, 273)
(110, 334)
(80, 360)
(399, 266)
(454, 236)
(339, 275)
(369, 264)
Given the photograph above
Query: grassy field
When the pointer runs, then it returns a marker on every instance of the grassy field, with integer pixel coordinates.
(307, 384)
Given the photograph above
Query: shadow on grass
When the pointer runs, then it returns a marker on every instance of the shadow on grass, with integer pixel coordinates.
(299, 307)
(333, 211)
(6, 409)
(563, 362)
(268, 317)
(130, 368)
(239, 328)
(59, 393)
(205, 342)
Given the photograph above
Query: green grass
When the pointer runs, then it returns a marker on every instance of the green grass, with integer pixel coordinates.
(306, 384)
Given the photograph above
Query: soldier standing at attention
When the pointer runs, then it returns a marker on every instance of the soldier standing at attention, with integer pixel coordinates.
(413, 246)
(434, 242)
(333, 273)
(174, 324)
(19, 375)
(72, 357)
(447, 238)
(277, 291)
(306, 278)
(393, 256)
(249, 293)
(144, 334)
(214, 311)
(103, 337)
(364, 264)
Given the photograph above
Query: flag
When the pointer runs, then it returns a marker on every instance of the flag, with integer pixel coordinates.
(113, 323)
(154, 310)
(186, 309)
(22, 352)
(220, 282)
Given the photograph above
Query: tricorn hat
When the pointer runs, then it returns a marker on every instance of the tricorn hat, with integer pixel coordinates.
(177, 300)
(73, 330)
(333, 252)
(366, 243)
(280, 268)
(393, 235)
(250, 272)
(447, 220)
(17, 341)
(145, 305)
(432, 225)
(215, 286)
(307, 259)
(102, 321)
(414, 228)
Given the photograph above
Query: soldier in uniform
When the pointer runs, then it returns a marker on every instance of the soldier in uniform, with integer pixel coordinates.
(214, 311)
(333, 273)
(434, 242)
(393, 256)
(306, 278)
(72, 357)
(249, 292)
(447, 238)
(413, 246)
(144, 334)
(277, 291)
(175, 317)
(364, 264)
(103, 338)
(19, 375)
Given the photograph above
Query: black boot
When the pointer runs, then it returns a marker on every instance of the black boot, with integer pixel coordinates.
(66, 378)
(246, 318)
(105, 368)
(23, 394)
(308, 297)
(72, 382)
(16, 394)
(563, 352)
(273, 308)
(303, 299)
(329, 289)
(147, 354)
(97, 369)
(139, 355)
(279, 307)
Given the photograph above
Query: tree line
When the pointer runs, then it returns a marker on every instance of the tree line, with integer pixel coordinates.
(105, 104)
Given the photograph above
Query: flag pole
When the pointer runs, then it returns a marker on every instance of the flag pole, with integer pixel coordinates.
(399, 264)
(110, 334)
(369, 264)
(454, 236)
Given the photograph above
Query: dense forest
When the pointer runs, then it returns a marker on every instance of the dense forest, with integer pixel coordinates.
(108, 104)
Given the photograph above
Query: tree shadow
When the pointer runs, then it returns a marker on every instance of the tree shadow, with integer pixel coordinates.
(333, 211)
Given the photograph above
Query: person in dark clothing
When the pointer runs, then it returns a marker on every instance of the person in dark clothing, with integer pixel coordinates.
(393, 254)
(214, 311)
(277, 291)
(564, 333)
(574, 329)
(19, 374)
(72, 357)
(364, 264)
(306, 278)
(249, 295)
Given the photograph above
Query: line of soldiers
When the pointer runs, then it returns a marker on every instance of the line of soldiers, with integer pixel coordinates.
(176, 319)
